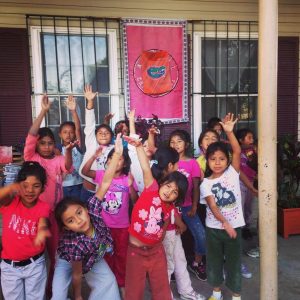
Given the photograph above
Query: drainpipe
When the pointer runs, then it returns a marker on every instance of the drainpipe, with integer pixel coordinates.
(267, 137)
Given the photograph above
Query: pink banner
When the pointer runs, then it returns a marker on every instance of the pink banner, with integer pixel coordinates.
(156, 68)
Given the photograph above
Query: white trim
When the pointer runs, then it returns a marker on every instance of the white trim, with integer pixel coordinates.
(37, 71)
(197, 98)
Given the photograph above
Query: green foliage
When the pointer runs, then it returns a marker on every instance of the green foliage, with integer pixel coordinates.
(288, 153)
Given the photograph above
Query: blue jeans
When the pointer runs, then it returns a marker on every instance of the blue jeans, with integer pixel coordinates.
(197, 229)
(72, 191)
(100, 279)
(85, 194)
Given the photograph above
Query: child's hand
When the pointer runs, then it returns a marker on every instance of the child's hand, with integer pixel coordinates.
(181, 229)
(192, 212)
(131, 114)
(108, 117)
(72, 145)
(88, 93)
(71, 103)
(119, 144)
(132, 141)
(78, 298)
(230, 230)
(41, 237)
(99, 151)
(153, 130)
(45, 103)
(228, 122)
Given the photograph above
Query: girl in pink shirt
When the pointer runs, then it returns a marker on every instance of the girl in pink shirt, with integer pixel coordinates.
(115, 208)
(180, 140)
(39, 147)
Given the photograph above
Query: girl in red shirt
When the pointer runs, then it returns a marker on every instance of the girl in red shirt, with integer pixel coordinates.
(149, 220)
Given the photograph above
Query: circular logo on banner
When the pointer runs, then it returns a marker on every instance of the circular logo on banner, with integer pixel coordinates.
(155, 72)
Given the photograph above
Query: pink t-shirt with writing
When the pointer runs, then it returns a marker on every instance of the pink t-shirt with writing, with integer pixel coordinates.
(115, 205)
(20, 229)
(55, 167)
(190, 168)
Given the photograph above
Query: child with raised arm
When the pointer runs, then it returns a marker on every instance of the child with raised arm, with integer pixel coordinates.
(70, 132)
(84, 241)
(150, 217)
(25, 229)
(40, 146)
(115, 208)
(224, 216)
(94, 138)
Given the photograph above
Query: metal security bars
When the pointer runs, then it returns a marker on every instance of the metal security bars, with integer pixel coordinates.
(225, 70)
(69, 52)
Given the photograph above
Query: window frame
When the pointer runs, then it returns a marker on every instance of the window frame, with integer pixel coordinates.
(37, 63)
(198, 37)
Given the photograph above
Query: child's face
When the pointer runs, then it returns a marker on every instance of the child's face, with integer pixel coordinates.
(67, 134)
(209, 138)
(218, 163)
(30, 190)
(248, 139)
(123, 128)
(120, 165)
(178, 144)
(103, 136)
(45, 147)
(168, 192)
(77, 219)
(147, 150)
(218, 128)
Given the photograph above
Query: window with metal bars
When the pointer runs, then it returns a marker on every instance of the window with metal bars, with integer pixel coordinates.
(68, 53)
(225, 72)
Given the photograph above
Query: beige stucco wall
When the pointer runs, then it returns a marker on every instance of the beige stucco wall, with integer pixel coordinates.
(12, 13)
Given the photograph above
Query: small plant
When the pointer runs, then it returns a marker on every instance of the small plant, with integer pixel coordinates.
(288, 153)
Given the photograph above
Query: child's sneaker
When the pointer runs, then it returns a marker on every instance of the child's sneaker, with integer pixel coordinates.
(193, 296)
(253, 252)
(245, 272)
(199, 271)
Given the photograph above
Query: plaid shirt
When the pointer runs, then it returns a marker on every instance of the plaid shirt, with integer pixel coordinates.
(79, 247)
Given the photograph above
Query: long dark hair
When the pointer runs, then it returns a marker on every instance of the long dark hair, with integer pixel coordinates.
(127, 160)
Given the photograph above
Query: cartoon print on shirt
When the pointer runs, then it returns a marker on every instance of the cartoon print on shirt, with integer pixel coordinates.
(154, 223)
(112, 202)
(224, 198)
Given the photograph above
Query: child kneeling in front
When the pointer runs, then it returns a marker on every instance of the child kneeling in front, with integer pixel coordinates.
(25, 229)
(150, 217)
(84, 241)
(224, 216)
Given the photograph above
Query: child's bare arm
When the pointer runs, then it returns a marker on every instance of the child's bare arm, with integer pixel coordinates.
(131, 118)
(216, 212)
(71, 104)
(111, 168)
(248, 183)
(143, 159)
(43, 232)
(8, 192)
(181, 227)
(68, 155)
(77, 279)
(228, 125)
(153, 131)
(86, 170)
(196, 196)
(45, 103)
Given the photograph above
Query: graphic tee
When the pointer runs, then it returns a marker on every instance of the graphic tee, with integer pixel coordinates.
(148, 216)
(20, 229)
(227, 194)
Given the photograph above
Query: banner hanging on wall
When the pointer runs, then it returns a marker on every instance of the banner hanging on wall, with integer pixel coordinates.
(155, 59)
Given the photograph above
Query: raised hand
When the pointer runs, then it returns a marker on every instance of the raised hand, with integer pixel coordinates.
(45, 103)
(41, 237)
(88, 93)
(71, 103)
(131, 114)
(153, 130)
(72, 145)
(228, 122)
(119, 144)
(108, 117)
(132, 141)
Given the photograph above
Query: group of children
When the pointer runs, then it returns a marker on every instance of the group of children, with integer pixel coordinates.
(115, 213)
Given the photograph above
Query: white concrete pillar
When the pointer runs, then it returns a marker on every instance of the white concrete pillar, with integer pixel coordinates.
(267, 137)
